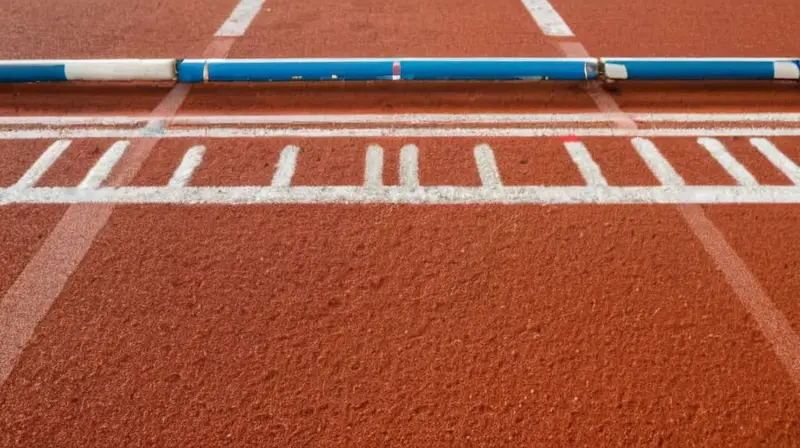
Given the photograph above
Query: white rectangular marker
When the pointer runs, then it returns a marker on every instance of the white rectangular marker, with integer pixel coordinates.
(373, 169)
(547, 18)
(659, 166)
(586, 165)
(487, 166)
(409, 166)
(286, 165)
(727, 161)
(777, 158)
(191, 160)
(100, 171)
(42, 164)
(240, 19)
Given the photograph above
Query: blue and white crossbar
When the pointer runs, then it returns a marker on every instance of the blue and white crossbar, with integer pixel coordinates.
(418, 69)
(701, 68)
(399, 69)
(88, 70)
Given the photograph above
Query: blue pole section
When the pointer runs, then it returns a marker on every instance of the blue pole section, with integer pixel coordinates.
(490, 69)
(277, 70)
(32, 71)
(701, 68)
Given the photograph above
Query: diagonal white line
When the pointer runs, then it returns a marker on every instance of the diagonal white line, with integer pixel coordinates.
(487, 166)
(727, 161)
(100, 171)
(586, 165)
(241, 17)
(659, 166)
(191, 160)
(777, 158)
(42, 164)
(549, 21)
(286, 165)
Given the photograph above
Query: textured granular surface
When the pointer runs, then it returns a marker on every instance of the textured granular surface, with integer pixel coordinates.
(323, 326)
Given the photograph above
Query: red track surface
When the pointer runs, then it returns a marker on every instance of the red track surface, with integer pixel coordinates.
(290, 325)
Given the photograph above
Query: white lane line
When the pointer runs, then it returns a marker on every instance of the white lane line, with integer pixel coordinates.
(286, 165)
(586, 165)
(487, 166)
(27, 301)
(659, 166)
(42, 164)
(418, 119)
(774, 325)
(409, 166)
(403, 195)
(205, 132)
(550, 22)
(777, 158)
(101, 170)
(727, 161)
(751, 294)
(373, 169)
(239, 20)
(191, 160)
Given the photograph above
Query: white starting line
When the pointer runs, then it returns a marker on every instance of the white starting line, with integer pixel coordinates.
(377, 132)
(404, 195)
(406, 119)
(596, 191)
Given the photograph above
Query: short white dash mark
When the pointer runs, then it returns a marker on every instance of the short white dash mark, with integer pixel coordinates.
(549, 21)
(373, 170)
(487, 166)
(240, 19)
(191, 160)
(42, 164)
(285, 169)
(586, 165)
(100, 171)
(727, 161)
(659, 166)
(777, 158)
(409, 166)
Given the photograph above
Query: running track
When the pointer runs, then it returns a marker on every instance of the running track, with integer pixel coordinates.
(176, 274)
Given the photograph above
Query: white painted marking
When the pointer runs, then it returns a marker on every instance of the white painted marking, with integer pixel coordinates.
(42, 164)
(191, 160)
(416, 119)
(586, 165)
(749, 291)
(240, 19)
(404, 195)
(658, 165)
(777, 158)
(204, 132)
(100, 171)
(121, 70)
(550, 22)
(727, 161)
(487, 166)
(409, 166)
(373, 170)
(286, 165)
